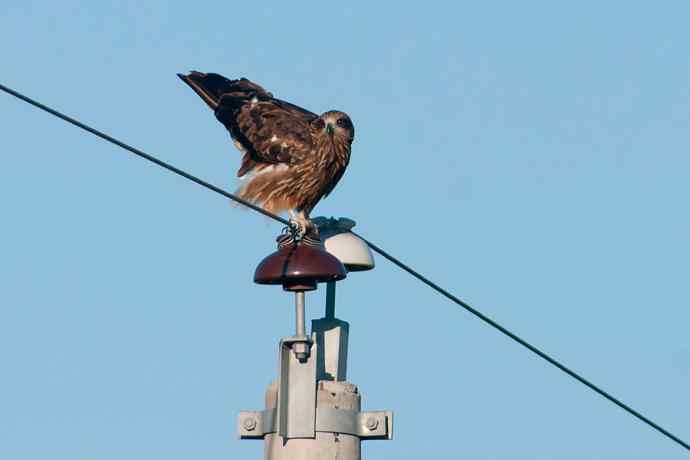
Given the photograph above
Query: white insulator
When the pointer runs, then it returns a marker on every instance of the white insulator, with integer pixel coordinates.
(351, 250)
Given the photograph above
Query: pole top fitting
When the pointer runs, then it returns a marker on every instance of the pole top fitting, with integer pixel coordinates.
(299, 265)
(351, 250)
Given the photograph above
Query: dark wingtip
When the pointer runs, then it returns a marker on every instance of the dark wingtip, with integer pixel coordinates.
(190, 75)
(198, 86)
(185, 77)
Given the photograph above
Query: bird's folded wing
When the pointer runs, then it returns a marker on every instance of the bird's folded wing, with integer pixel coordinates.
(267, 130)
(269, 133)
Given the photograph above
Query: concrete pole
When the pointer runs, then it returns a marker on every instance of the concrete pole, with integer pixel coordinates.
(326, 446)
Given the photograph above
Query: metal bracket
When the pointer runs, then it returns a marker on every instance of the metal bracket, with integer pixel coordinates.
(365, 425)
(332, 340)
(297, 390)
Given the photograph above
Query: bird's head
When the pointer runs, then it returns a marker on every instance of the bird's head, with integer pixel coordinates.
(335, 124)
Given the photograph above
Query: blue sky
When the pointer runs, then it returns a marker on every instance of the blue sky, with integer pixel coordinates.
(531, 157)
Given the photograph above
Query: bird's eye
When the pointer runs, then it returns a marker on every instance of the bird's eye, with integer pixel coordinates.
(343, 122)
(318, 123)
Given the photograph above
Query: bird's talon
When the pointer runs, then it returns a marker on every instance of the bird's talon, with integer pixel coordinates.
(298, 229)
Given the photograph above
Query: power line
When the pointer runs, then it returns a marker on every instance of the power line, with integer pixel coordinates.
(143, 155)
(521, 341)
(373, 246)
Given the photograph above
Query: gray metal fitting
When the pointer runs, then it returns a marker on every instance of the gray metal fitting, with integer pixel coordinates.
(372, 423)
(365, 425)
(301, 350)
(249, 423)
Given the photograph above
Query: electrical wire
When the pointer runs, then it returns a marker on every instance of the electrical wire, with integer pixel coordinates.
(373, 246)
(143, 155)
(521, 341)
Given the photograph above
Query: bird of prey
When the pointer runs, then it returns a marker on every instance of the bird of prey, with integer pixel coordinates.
(291, 157)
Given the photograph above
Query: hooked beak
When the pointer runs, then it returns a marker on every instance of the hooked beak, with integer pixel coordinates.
(329, 129)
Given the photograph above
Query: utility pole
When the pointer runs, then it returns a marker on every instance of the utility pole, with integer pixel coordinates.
(311, 411)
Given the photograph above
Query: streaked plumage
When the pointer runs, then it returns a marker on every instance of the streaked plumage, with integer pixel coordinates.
(292, 157)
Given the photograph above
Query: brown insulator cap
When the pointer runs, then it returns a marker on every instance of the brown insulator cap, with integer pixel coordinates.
(299, 265)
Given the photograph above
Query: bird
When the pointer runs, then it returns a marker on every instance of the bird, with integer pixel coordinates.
(291, 157)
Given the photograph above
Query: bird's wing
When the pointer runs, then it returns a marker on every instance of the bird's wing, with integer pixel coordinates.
(331, 185)
(267, 130)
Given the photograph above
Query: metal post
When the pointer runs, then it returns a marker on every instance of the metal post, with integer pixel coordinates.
(330, 300)
(301, 347)
(301, 325)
